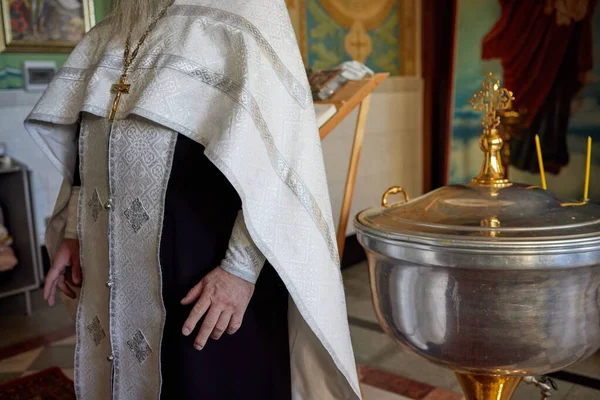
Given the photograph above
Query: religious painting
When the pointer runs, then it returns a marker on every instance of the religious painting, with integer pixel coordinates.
(380, 33)
(548, 54)
(44, 26)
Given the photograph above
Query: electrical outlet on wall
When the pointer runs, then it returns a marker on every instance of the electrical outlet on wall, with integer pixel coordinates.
(38, 74)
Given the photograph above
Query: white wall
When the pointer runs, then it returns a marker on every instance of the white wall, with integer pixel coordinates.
(392, 149)
(391, 155)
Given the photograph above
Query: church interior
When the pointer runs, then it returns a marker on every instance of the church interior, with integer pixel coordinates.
(428, 111)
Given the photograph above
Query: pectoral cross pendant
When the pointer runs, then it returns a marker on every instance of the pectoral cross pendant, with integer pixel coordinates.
(119, 88)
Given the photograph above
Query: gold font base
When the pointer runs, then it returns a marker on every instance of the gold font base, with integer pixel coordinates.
(488, 387)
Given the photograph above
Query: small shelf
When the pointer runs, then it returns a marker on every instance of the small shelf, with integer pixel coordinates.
(15, 200)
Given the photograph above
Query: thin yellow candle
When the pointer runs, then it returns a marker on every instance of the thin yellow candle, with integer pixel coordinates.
(588, 163)
(540, 161)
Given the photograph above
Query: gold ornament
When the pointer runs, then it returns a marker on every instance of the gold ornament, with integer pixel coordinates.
(491, 99)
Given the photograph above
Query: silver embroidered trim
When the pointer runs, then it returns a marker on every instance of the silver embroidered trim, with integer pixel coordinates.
(253, 256)
(71, 74)
(136, 215)
(139, 346)
(245, 99)
(294, 88)
(161, 213)
(79, 319)
(96, 331)
(95, 205)
(292, 85)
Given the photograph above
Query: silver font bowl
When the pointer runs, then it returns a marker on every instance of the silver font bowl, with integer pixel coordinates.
(514, 294)
(492, 321)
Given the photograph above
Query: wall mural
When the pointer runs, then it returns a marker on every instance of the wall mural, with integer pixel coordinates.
(560, 86)
(379, 33)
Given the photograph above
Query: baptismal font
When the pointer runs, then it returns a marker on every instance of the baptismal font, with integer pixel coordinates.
(498, 281)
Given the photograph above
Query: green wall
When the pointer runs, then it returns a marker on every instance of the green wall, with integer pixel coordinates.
(11, 64)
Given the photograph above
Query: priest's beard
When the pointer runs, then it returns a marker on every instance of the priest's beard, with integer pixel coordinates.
(133, 17)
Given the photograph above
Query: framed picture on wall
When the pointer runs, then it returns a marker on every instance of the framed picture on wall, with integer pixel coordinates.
(383, 34)
(44, 26)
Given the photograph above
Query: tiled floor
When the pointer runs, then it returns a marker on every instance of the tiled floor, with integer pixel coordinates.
(57, 354)
(15, 328)
(377, 385)
(392, 373)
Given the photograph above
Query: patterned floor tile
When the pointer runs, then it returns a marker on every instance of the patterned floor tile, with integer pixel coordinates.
(8, 377)
(21, 362)
(443, 394)
(589, 367)
(36, 342)
(393, 383)
(358, 293)
(373, 393)
(70, 341)
(407, 364)
(57, 356)
(45, 320)
(582, 393)
(69, 372)
(369, 344)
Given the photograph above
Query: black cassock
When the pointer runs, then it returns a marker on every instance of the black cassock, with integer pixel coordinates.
(253, 364)
(200, 209)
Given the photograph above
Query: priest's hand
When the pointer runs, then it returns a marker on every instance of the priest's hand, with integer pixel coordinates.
(65, 271)
(223, 297)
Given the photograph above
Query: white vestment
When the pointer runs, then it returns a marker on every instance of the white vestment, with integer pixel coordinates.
(227, 74)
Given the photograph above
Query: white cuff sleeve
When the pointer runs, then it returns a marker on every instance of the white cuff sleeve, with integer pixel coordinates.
(243, 259)
(71, 228)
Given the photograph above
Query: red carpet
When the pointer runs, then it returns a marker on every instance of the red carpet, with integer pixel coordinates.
(50, 384)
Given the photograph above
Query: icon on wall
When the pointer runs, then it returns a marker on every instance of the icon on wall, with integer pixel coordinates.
(44, 26)
(383, 34)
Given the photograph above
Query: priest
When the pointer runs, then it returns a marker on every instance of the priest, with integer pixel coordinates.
(194, 212)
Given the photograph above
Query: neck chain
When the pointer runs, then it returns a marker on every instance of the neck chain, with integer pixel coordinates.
(128, 57)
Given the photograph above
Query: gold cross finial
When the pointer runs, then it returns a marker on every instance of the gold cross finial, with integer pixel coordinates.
(491, 99)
